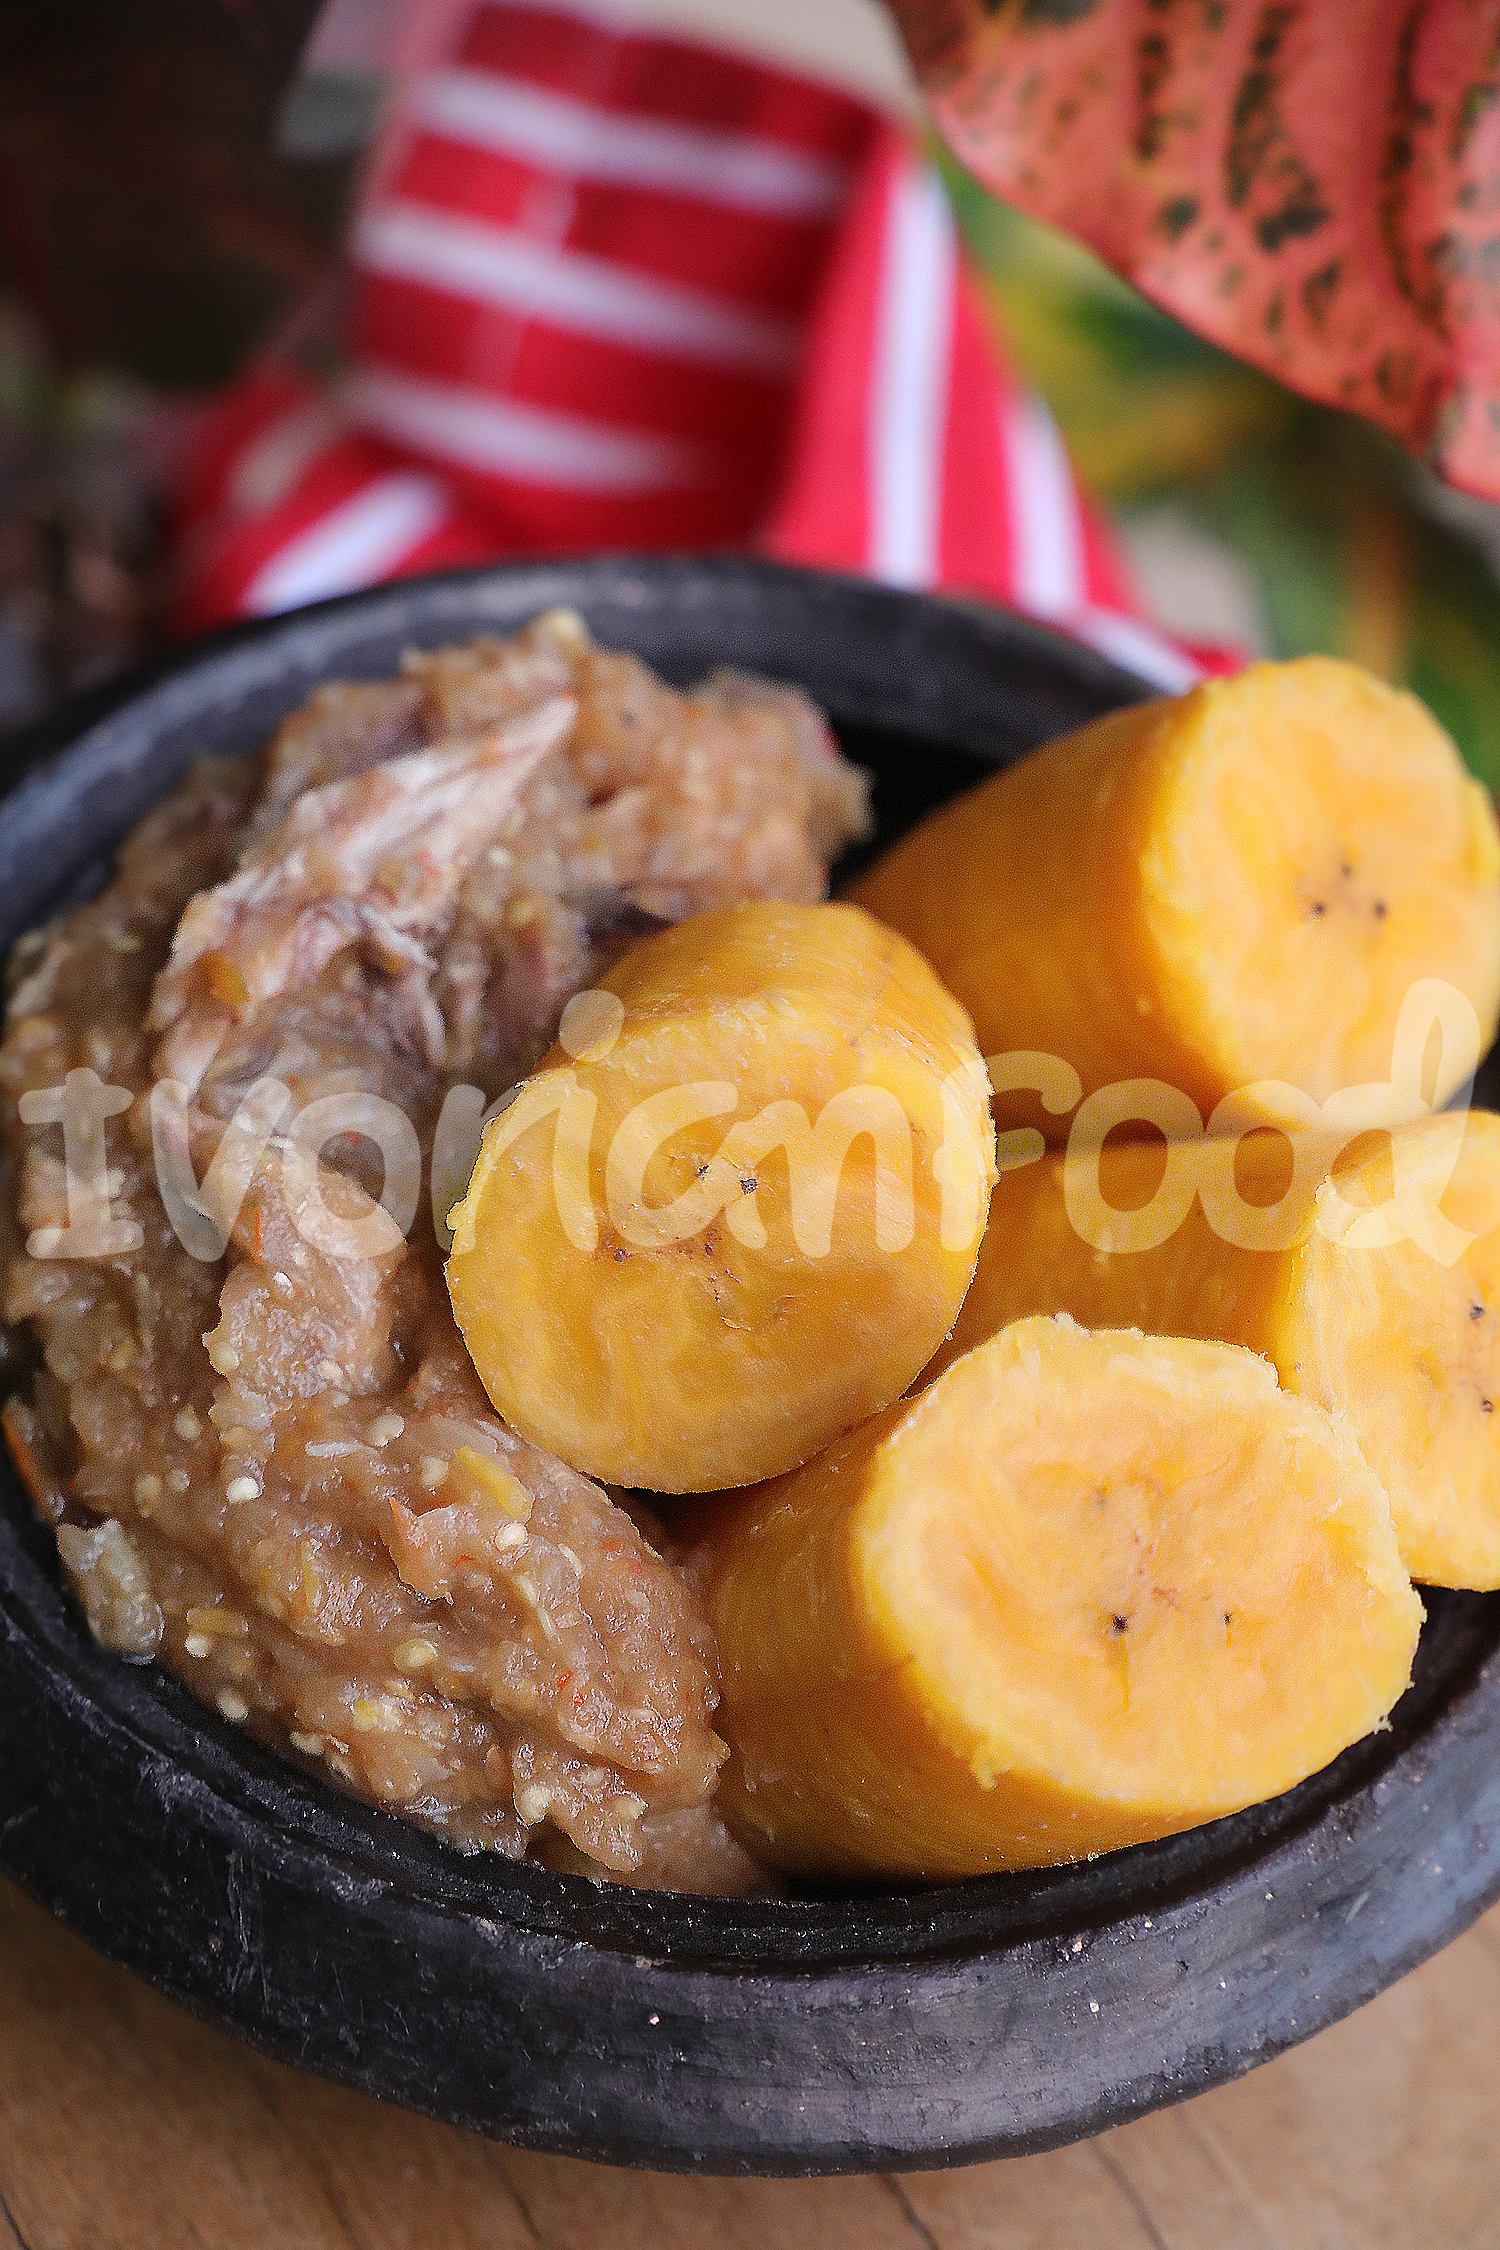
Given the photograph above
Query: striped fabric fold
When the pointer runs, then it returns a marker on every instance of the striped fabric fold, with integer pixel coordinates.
(612, 289)
(919, 461)
(479, 109)
(619, 230)
(594, 299)
(505, 438)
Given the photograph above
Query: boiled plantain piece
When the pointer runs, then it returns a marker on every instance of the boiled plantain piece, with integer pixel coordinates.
(737, 1207)
(1085, 1590)
(1229, 886)
(1380, 1295)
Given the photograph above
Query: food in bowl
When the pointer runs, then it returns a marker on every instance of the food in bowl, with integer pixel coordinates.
(1084, 1589)
(272, 1463)
(395, 1023)
(1400, 1335)
(718, 1295)
(1236, 885)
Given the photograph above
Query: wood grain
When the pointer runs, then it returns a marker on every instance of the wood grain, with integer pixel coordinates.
(125, 2124)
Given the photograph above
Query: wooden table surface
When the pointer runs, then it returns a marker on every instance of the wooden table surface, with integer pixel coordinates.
(125, 2125)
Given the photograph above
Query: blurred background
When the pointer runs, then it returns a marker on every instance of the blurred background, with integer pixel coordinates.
(228, 382)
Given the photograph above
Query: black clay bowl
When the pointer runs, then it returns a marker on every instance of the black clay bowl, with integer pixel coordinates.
(810, 2035)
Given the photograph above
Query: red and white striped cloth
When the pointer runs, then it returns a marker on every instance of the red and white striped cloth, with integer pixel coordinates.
(612, 289)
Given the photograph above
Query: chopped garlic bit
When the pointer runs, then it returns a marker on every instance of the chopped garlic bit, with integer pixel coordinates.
(217, 1620)
(414, 1655)
(533, 1801)
(376, 1714)
(496, 1482)
(111, 1580)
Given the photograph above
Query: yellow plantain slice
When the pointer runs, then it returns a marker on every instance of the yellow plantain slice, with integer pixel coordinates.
(737, 1207)
(1238, 884)
(1085, 1590)
(1383, 1299)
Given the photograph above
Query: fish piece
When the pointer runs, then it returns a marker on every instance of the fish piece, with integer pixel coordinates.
(341, 730)
(374, 861)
